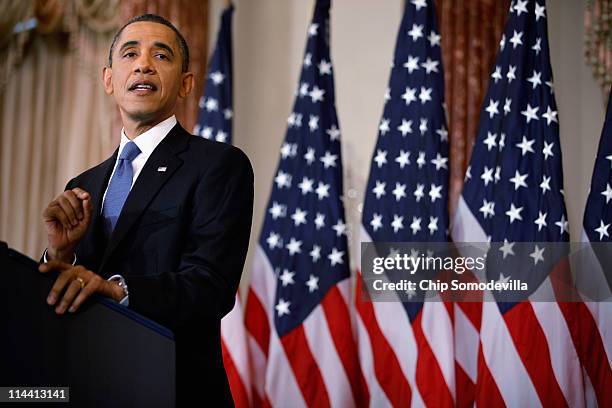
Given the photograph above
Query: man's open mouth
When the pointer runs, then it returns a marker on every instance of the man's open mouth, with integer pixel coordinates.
(143, 86)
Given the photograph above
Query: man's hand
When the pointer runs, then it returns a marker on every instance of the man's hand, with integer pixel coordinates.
(66, 220)
(77, 284)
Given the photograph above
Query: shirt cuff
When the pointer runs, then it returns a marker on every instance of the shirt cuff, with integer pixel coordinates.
(126, 299)
(74, 260)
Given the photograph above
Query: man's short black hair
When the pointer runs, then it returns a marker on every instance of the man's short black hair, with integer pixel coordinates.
(155, 19)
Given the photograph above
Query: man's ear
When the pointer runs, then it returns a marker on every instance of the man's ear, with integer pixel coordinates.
(187, 83)
(107, 80)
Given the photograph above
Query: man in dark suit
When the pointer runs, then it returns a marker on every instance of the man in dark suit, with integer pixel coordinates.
(163, 225)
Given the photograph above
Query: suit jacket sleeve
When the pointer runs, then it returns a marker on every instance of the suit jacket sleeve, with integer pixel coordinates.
(205, 283)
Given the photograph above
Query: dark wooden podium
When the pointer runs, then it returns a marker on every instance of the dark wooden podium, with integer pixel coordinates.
(108, 355)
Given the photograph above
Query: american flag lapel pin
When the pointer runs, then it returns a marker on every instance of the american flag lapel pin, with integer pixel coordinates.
(162, 169)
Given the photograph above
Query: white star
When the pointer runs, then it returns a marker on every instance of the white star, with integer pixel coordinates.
(282, 179)
(201, 103)
(539, 11)
(228, 114)
(443, 133)
(487, 209)
(315, 253)
(419, 4)
(425, 94)
(418, 192)
(207, 132)
(412, 64)
(507, 106)
(416, 32)
(421, 160)
(520, 7)
(406, 127)
(514, 213)
(312, 30)
(526, 146)
(303, 89)
(535, 79)
(294, 246)
(277, 210)
(379, 190)
(409, 95)
(516, 39)
(211, 105)
(511, 75)
(221, 136)
(335, 257)
(384, 126)
(507, 248)
(502, 279)
(496, 75)
(415, 226)
(433, 225)
(312, 283)
(299, 217)
(550, 115)
(550, 85)
(217, 77)
(288, 149)
(319, 220)
(487, 175)
(602, 230)
(541, 221)
(387, 94)
(286, 277)
(423, 126)
(502, 141)
(325, 67)
(497, 174)
(313, 123)
(468, 174)
(545, 184)
(333, 132)
(530, 113)
(537, 254)
(399, 191)
(403, 159)
(490, 141)
(502, 42)
(440, 162)
(430, 65)
(316, 95)
(547, 150)
(380, 158)
(398, 223)
(376, 222)
(274, 240)
(435, 192)
(340, 228)
(607, 193)
(329, 160)
(563, 224)
(282, 307)
(322, 190)
(492, 108)
(434, 39)
(537, 47)
(519, 180)
(310, 155)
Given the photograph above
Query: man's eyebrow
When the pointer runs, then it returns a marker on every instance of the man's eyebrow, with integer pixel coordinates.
(164, 46)
(129, 44)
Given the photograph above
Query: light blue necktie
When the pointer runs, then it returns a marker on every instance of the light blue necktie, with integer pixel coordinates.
(119, 187)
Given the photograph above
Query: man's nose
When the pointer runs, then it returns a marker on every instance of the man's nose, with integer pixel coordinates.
(144, 64)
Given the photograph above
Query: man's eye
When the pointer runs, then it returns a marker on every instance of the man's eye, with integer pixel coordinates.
(162, 56)
(129, 54)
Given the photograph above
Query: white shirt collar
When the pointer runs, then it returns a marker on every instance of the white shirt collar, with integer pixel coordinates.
(148, 141)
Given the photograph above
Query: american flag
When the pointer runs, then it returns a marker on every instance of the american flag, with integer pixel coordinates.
(216, 105)
(297, 314)
(526, 353)
(596, 230)
(406, 349)
(215, 122)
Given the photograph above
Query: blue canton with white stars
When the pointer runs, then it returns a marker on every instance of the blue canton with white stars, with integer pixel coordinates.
(215, 113)
(514, 184)
(304, 233)
(407, 192)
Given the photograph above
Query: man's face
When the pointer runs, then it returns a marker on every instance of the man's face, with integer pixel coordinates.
(146, 77)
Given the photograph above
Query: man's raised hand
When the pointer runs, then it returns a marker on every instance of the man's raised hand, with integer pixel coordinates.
(66, 220)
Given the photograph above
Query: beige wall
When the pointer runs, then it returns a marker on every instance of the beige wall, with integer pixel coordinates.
(269, 39)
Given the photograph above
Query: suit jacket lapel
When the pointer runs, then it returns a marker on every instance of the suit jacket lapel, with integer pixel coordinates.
(148, 184)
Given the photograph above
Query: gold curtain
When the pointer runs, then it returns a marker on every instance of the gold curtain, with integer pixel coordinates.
(471, 30)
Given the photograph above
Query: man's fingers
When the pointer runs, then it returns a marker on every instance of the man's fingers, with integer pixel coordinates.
(70, 212)
(54, 265)
(82, 194)
(86, 292)
(60, 283)
(73, 289)
(75, 202)
(87, 211)
(55, 212)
